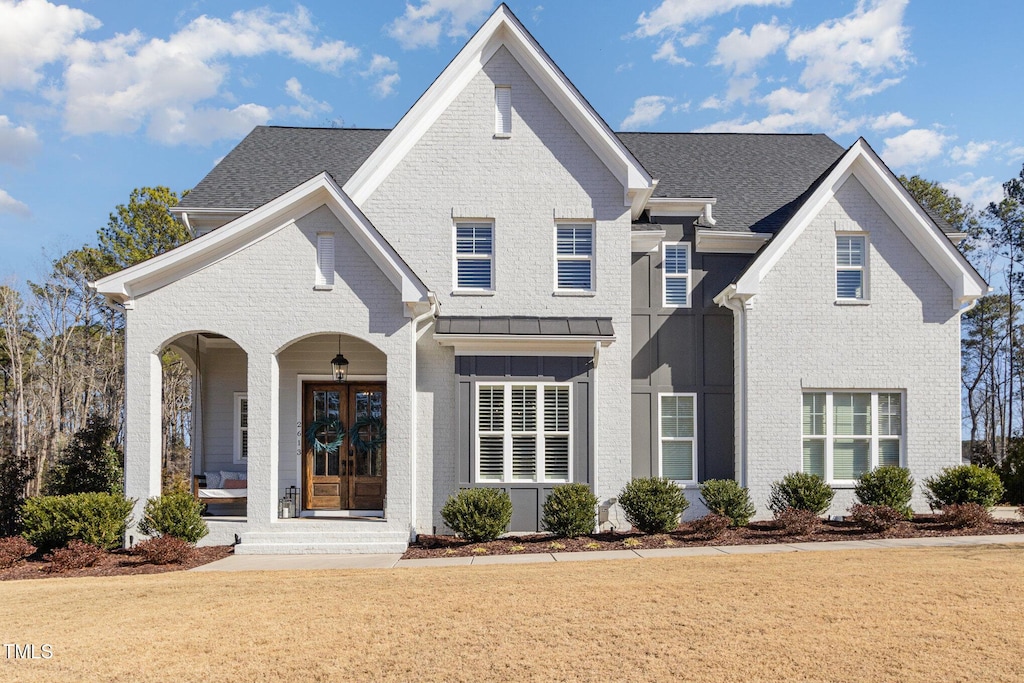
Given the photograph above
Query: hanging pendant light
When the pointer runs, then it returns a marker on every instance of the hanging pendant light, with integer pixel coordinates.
(339, 365)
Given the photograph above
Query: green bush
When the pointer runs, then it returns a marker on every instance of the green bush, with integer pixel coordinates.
(963, 484)
(176, 514)
(727, 498)
(653, 505)
(569, 510)
(99, 519)
(889, 486)
(800, 491)
(1011, 472)
(89, 464)
(478, 514)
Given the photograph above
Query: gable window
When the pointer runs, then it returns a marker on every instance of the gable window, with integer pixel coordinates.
(503, 111)
(474, 256)
(677, 417)
(574, 257)
(523, 432)
(241, 428)
(850, 260)
(676, 274)
(324, 260)
(846, 434)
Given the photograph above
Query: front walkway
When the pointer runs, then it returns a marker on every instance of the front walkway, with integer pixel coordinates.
(238, 563)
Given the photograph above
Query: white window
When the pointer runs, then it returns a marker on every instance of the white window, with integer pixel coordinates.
(675, 267)
(241, 424)
(523, 432)
(324, 260)
(503, 110)
(574, 257)
(677, 417)
(848, 433)
(474, 256)
(850, 262)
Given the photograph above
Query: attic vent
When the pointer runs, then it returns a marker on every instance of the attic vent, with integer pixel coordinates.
(503, 110)
(324, 260)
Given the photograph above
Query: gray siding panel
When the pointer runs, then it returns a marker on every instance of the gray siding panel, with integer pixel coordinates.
(643, 418)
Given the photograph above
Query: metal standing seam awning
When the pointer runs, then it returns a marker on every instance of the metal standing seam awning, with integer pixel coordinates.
(524, 334)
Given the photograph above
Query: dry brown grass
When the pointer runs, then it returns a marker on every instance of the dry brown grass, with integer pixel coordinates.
(942, 614)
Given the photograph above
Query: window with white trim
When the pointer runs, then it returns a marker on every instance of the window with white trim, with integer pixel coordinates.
(851, 258)
(503, 110)
(677, 449)
(523, 431)
(675, 268)
(474, 256)
(848, 433)
(324, 260)
(241, 428)
(574, 257)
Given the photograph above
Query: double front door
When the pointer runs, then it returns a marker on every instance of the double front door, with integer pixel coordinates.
(344, 457)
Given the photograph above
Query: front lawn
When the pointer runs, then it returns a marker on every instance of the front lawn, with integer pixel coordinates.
(937, 614)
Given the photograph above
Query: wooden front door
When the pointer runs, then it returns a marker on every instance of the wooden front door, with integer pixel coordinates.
(345, 473)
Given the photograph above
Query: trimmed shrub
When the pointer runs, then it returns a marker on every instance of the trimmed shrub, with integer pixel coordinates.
(889, 486)
(175, 514)
(966, 515)
(800, 491)
(76, 555)
(569, 510)
(653, 505)
(164, 550)
(478, 514)
(963, 484)
(13, 549)
(97, 518)
(710, 526)
(875, 517)
(726, 497)
(89, 464)
(797, 522)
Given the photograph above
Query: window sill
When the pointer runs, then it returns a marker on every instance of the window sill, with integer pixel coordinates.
(472, 292)
(573, 292)
(853, 302)
(323, 288)
(842, 485)
(502, 136)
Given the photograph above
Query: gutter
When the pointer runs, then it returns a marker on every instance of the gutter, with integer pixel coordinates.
(433, 311)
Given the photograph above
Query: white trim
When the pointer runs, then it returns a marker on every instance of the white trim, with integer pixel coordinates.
(666, 276)
(646, 240)
(237, 429)
(860, 161)
(590, 258)
(502, 29)
(202, 252)
(691, 439)
(522, 345)
(690, 207)
(729, 242)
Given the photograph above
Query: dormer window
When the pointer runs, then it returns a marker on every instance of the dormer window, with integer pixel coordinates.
(502, 111)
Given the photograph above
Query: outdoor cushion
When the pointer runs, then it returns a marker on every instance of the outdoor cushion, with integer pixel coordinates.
(213, 494)
(233, 484)
(213, 479)
(224, 476)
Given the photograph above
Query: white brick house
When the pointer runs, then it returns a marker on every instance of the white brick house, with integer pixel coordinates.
(524, 298)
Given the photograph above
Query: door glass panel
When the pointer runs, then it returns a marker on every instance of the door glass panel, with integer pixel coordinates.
(326, 405)
(369, 414)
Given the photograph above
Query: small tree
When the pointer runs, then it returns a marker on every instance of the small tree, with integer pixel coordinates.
(89, 464)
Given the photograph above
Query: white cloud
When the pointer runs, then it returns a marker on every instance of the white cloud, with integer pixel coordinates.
(712, 102)
(628, 66)
(646, 111)
(385, 87)
(789, 109)
(667, 53)
(741, 52)
(381, 64)
(9, 204)
(422, 25)
(674, 15)
(1016, 152)
(35, 33)
(306, 106)
(977, 191)
(972, 153)
(126, 82)
(383, 68)
(695, 39)
(17, 143)
(854, 49)
(893, 119)
(916, 146)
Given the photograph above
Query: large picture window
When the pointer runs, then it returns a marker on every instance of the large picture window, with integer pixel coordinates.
(677, 417)
(523, 432)
(848, 433)
(474, 256)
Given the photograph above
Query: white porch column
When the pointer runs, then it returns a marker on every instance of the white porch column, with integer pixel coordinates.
(143, 429)
(263, 382)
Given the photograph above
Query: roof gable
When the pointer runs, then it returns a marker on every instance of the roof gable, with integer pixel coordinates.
(321, 190)
(861, 162)
(503, 29)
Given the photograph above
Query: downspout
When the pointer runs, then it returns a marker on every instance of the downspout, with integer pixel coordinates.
(596, 403)
(728, 299)
(434, 310)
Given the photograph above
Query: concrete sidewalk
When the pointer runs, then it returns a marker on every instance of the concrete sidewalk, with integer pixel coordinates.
(238, 563)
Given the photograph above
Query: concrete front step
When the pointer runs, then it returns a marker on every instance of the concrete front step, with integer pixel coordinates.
(312, 542)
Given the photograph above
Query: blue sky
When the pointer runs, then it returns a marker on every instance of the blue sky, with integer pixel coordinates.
(98, 97)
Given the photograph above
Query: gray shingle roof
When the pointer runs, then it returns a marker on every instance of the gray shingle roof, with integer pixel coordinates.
(525, 325)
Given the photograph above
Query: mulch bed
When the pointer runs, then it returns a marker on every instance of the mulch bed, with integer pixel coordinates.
(116, 563)
(757, 533)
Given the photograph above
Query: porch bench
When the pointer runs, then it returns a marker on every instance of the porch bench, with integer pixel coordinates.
(216, 496)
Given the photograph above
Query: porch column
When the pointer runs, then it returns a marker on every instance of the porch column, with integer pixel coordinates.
(143, 429)
(262, 481)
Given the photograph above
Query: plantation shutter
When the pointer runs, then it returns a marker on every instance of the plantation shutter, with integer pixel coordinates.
(676, 271)
(556, 432)
(850, 267)
(574, 248)
(491, 427)
(502, 110)
(524, 432)
(474, 248)
(325, 259)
